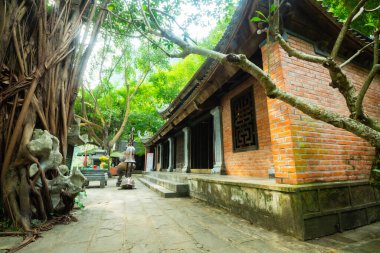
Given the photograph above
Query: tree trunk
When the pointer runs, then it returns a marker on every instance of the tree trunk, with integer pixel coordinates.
(375, 172)
(37, 63)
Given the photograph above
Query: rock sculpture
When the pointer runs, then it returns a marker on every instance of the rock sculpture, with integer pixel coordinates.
(63, 184)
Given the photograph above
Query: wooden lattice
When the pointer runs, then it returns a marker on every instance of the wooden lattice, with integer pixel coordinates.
(243, 121)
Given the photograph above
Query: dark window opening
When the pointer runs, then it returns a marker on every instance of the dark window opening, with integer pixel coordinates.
(179, 151)
(165, 155)
(244, 131)
(202, 152)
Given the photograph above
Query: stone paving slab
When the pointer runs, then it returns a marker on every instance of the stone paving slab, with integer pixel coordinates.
(129, 221)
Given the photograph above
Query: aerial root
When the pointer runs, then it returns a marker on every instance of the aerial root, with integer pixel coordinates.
(33, 235)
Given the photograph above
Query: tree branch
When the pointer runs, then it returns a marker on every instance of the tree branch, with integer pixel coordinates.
(372, 10)
(355, 55)
(272, 91)
(126, 114)
(338, 78)
(153, 17)
(343, 31)
(143, 14)
(298, 54)
(138, 85)
(87, 122)
(314, 111)
(175, 21)
(91, 131)
(95, 106)
(363, 91)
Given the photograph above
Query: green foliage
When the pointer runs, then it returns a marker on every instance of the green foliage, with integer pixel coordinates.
(79, 200)
(131, 57)
(167, 83)
(261, 17)
(366, 23)
(6, 225)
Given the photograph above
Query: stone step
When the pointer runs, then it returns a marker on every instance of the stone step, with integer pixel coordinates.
(159, 189)
(182, 189)
(172, 176)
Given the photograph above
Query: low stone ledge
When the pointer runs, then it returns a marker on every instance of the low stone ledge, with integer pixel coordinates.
(305, 212)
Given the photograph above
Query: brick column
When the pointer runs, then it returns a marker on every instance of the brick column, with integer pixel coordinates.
(218, 167)
(171, 154)
(280, 120)
(186, 150)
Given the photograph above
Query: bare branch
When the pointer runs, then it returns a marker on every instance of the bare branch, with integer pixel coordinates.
(360, 12)
(343, 31)
(273, 91)
(313, 111)
(138, 85)
(126, 113)
(339, 79)
(87, 122)
(143, 14)
(298, 54)
(355, 55)
(92, 96)
(117, 63)
(91, 131)
(153, 17)
(96, 139)
(372, 10)
(104, 53)
(170, 55)
(364, 89)
(175, 21)
(374, 70)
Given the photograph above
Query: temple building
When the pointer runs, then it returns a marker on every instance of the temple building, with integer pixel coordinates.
(238, 149)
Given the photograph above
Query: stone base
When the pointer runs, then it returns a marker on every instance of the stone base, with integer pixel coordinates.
(218, 169)
(303, 211)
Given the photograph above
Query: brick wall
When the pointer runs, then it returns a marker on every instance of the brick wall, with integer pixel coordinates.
(306, 150)
(254, 162)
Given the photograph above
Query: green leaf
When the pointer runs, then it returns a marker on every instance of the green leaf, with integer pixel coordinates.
(110, 7)
(273, 8)
(370, 25)
(262, 14)
(256, 19)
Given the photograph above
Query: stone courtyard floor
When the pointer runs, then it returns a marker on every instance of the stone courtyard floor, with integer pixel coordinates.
(140, 221)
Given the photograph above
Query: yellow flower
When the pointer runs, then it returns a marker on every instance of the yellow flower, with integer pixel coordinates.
(103, 158)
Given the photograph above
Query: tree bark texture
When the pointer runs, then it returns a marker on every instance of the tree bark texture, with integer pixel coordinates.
(38, 83)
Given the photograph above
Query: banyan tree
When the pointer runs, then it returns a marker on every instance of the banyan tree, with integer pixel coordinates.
(42, 59)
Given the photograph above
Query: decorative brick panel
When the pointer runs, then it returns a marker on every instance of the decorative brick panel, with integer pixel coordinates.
(253, 162)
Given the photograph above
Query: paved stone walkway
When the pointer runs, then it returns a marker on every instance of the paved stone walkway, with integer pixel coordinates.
(141, 221)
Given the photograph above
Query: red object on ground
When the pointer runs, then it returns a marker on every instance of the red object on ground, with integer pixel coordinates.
(95, 167)
(113, 171)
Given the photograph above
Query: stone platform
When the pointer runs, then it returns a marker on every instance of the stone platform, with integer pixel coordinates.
(303, 211)
(140, 221)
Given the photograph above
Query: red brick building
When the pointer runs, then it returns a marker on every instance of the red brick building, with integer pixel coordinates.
(222, 122)
(298, 148)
